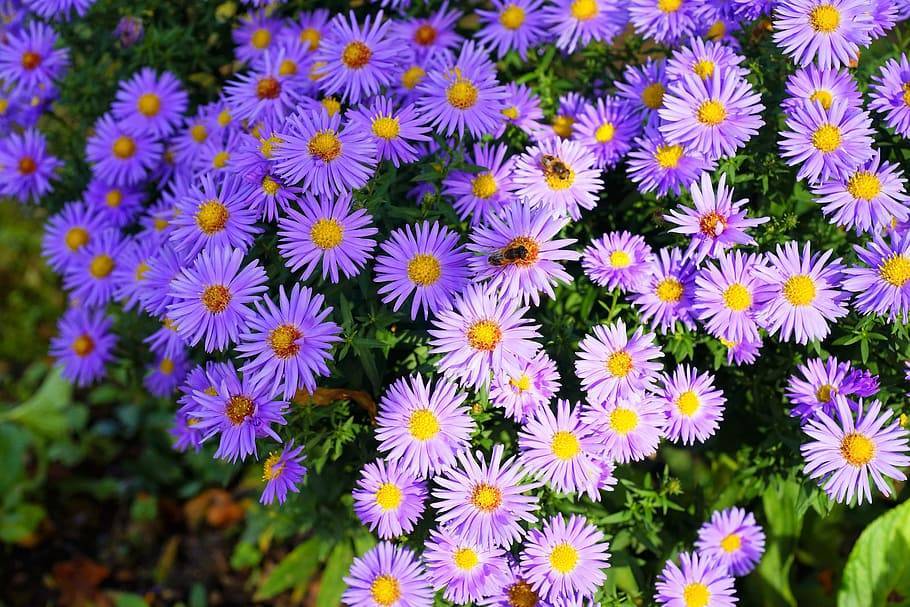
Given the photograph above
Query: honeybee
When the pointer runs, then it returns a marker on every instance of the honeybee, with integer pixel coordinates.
(552, 165)
(509, 255)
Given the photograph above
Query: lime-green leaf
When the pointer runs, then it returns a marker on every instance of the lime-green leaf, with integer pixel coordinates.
(45, 412)
(332, 586)
(292, 572)
(128, 599)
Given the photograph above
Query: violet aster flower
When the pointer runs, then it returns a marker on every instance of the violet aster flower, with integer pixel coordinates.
(842, 453)
(90, 278)
(826, 32)
(289, 343)
(389, 498)
(322, 156)
(282, 472)
(433, 36)
(742, 352)
(149, 103)
(514, 590)
(265, 92)
(717, 223)
(629, 427)
(716, 116)
(191, 138)
(357, 60)
(26, 167)
(220, 153)
(655, 164)
(700, 581)
(816, 385)
(891, 94)
(812, 84)
(703, 58)
(618, 260)
(565, 557)
(570, 108)
(664, 21)
(480, 195)
(869, 199)
(164, 267)
(484, 502)
(667, 296)
(692, 405)
(559, 176)
(465, 571)
(387, 575)
(129, 30)
(427, 262)
(327, 233)
(560, 450)
(131, 268)
(464, 96)
(84, 345)
(68, 232)
(882, 283)
(28, 58)
(117, 205)
(611, 364)
(392, 129)
(644, 86)
(309, 28)
(607, 129)
(827, 144)
(512, 25)
(482, 334)
(726, 296)
(211, 297)
(165, 374)
(803, 295)
(518, 254)
(521, 390)
(185, 433)
(579, 22)
(733, 539)
(238, 414)
(121, 158)
(421, 426)
(58, 9)
(165, 341)
(522, 110)
(255, 34)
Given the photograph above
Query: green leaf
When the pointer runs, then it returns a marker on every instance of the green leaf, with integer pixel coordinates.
(128, 599)
(332, 586)
(292, 572)
(45, 412)
(781, 502)
(878, 569)
(17, 524)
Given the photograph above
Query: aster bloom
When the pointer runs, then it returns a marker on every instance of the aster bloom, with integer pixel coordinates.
(512, 25)
(826, 32)
(84, 345)
(617, 260)
(321, 156)
(265, 92)
(726, 296)
(166, 341)
(612, 364)
(68, 232)
(282, 472)
(211, 297)
(150, 103)
(165, 374)
(565, 557)
(891, 94)
(558, 175)
(882, 283)
(118, 157)
(220, 153)
(356, 61)
(827, 144)
(522, 110)
(560, 450)
(524, 388)
(699, 581)
(427, 262)
(812, 84)
(59, 9)
(464, 570)
(816, 386)
(742, 352)
(629, 427)
(238, 413)
(117, 205)
(703, 58)
(90, 278)
(803, 294)
(327, 233)
(185, 433)
(164, 267)
(842, 453)
(215, 213)
(716, 223)
(514, 589)
(433, 36)
(480, 335)
(482, 194)
(664, 21)
(289, 343)
(570, 107)
(577, 23)
(715, 115)
(392, 129)
(733, 539)
(667, 296)
(389, 498)
(309, 28)
(130, 270)
(387, 576)
(656, 165)
(464, 96)
(607, 129)
(421, 426)
(692, 405)
(644, 86)
(26, 167)
(518, 254)
(28, 58)
(255, 35)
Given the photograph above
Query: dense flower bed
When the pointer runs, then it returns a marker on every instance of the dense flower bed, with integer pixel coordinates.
(560, 244)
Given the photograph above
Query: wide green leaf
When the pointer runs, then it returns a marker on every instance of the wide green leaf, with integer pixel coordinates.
(294, 571)
(332, 586)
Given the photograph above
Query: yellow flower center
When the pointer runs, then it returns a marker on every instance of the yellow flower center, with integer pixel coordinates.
(717, 30)
(605, 133)
(906, 95)
(4, 106)
(558, 175)
(696, 594)
(113, 198)
(283, 341)
(895, 270)
(565, 445)
(199, 133)
(669, 6)
(30, 60)
(669, 290)
(737, 297)
(484, 335)
(704, 69)
(27, 165)
(653, 95)
(486, 498)
(83, 345)
(564, 557)
(799, 290)
(268, 145)
(211, 217)
(423, 424)
(356, 55)
(864, 185)
(160, 224)
(270, 186)
(826, 138)
(389, 496)
(711, 112)
(224, 118)
(731, 543)
(857, 449)
(268, 88)
(424, 269)
(325, 145)
(623, 421)
(412, 77)
(521, 594)
(462, 94)
(425, 35)
(688, 403)
(465, 559)
(522, 383)
(311, 36)
(272, 468)
(712, 224)
(166, 366)
(141, 271)
(216, 298)
(824, 97)
(484, 186)
(562, 125)
(287, 67)
(825, 392)
(238, 408)
(261, 38)
(511, 112)
(620, 364)
(386, 127)
(512, 17)
(221, 159)
(584, 10)
(76, 238)
(824, 18)
(326, 233)
(124, 147)
(668, 156)
(385, 590)
(620, 259)
(332, 106)
(149, 105)
(101, 266)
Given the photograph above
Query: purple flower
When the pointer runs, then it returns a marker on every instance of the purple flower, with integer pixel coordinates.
(524, 110)
(526, 387)
(692, 405)
(607, 129)
(812, 84)
(389, 498)
(618, 260)
(121, 158)
(665, 167)
(891, 94)
(129, 30)
(610, 364)
(726, 296)
(512, 25)
(255, 35)
(392, 129)
(482, 194)
(558, 175)
(644, 86)
(84, 345)
(700, 581)
(166, 341)
(514, 590)
(820, 382)
(464, 570)
(117, 205)
(664, 21)
(733, 539)
(150, 104)
(165, 374)
(164, 267)
(68, 232)
(90, 278)
(59, 9)
(629, 427)
(282, 471)
(703, 59)
(433, 36)
(579, 22)
(131, 268)
(882, 284)
(667, 296)
(827, 32)
(28, 58)
(267, 92)
(26, 167)
(387, 575)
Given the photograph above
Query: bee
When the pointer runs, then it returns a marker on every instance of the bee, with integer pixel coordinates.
(552, 165)
(509, 255)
